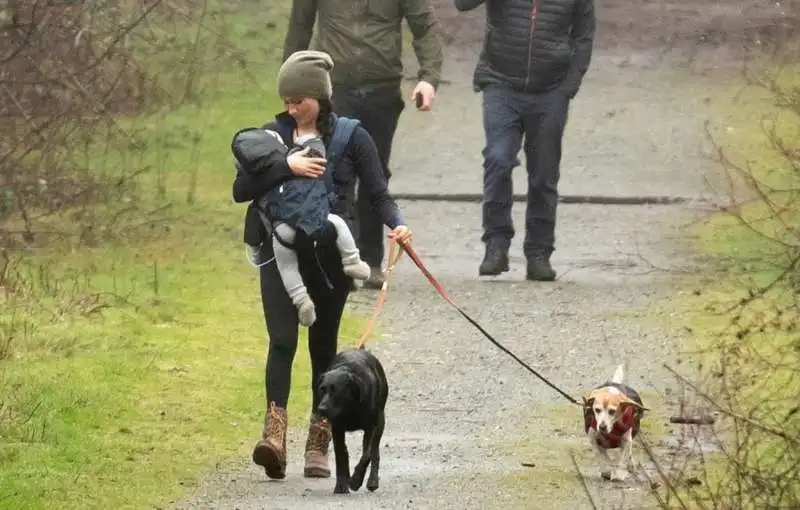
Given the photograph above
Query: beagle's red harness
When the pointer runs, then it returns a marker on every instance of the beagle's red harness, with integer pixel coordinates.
(613, 439)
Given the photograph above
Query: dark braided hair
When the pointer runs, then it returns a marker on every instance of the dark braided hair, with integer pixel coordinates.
(324, 125)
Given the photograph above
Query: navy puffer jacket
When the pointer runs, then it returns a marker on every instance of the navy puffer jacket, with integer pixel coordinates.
(535, 45)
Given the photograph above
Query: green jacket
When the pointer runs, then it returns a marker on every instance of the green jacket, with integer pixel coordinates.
(365, 38)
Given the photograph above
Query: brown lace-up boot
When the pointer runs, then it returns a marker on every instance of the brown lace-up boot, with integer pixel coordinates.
(270, 451)
(319, 437)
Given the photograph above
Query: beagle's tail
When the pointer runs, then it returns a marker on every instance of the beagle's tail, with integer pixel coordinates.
(619, 374)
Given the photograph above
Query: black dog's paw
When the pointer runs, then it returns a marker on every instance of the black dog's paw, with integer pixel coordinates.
(356, 480)
(341, 486)
(372, 483)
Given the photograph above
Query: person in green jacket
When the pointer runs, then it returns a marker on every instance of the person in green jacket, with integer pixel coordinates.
(365, 40)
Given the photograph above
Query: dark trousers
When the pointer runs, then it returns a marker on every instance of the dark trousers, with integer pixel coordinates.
(378, 108)
(541, 118)
(282, 323)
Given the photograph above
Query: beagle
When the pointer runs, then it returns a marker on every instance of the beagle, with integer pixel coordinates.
(612, 415)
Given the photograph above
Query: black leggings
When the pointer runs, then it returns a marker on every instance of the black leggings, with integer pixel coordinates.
(282, 324)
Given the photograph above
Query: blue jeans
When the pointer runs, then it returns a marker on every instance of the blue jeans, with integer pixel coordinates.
(541, 118)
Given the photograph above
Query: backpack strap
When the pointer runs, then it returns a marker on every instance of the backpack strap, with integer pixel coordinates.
(342, 132)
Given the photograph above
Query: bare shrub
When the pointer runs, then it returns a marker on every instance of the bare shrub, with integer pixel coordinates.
(750, 369)
(71, 72)
(82, 82)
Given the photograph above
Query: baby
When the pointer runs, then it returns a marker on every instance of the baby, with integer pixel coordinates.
(285, 229)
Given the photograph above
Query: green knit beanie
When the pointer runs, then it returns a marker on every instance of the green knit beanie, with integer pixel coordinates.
(306, 74)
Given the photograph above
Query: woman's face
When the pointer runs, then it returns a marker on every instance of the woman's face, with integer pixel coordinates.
(304, 110)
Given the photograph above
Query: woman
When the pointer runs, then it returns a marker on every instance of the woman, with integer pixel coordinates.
(305, 86)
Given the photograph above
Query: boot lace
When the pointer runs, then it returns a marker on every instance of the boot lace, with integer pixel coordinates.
(276, 423)
(319, 435)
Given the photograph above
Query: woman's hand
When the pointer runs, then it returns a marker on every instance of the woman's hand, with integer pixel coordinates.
(303, 166)
(401, 235)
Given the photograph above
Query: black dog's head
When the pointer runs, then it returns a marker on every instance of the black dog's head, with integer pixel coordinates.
(338, 392)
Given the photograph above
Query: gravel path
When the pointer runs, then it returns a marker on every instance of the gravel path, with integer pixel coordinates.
(461, 415)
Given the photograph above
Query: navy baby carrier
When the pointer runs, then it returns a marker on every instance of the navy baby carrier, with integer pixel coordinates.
(303, 203)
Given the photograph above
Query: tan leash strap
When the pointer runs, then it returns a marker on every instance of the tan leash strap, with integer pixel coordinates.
(394, 257)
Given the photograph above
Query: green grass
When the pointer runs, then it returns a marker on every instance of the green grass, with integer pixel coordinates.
(747, 251)
(127, 406)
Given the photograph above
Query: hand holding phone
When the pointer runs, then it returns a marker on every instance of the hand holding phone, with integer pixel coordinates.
(423, 96)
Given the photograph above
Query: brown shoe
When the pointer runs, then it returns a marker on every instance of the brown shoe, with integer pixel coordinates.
(375, 280)
(270, 451)
(319, 437)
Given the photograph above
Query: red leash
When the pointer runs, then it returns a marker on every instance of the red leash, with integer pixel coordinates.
(438, 286)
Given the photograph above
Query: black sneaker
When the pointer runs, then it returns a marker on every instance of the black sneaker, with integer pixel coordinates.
(539, 269)
(495, 261)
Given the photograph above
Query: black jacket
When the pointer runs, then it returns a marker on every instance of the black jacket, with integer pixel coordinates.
(359, 162)
(535, 45)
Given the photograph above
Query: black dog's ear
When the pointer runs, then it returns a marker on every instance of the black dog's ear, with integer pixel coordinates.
(354, 386)
(321, 380)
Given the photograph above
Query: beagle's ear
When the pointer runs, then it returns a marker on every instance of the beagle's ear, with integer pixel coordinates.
(589, 398)
(629, 402)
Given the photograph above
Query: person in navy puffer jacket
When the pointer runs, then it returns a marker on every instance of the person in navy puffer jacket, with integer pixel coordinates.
(533, 60)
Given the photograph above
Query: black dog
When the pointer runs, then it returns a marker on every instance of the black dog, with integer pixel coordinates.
(354, 391)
